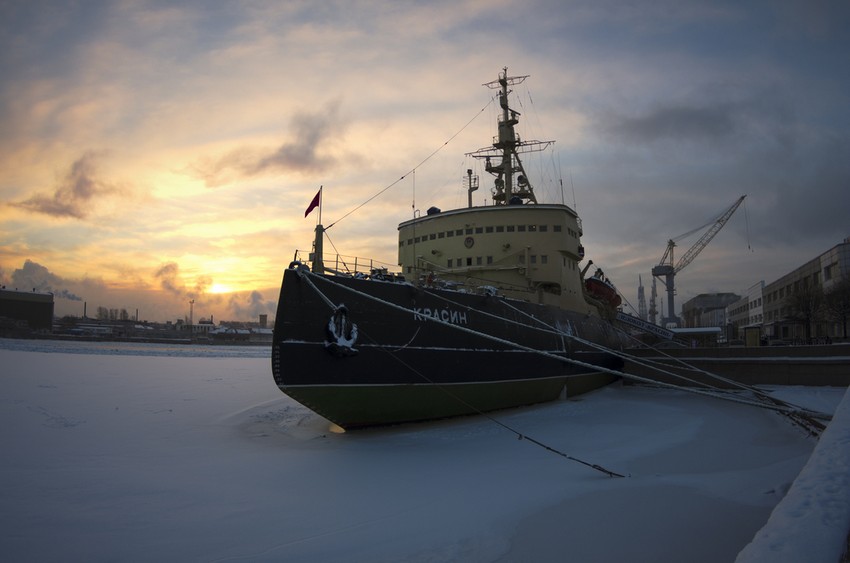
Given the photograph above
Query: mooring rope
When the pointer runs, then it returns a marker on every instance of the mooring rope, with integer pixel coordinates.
(491, 337)
(808, 419)
(801, 416)
(479, 412)
(805, 418)
(305, 275)
(791, 411)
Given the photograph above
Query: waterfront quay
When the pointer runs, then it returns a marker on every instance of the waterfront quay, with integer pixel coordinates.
(816, 365)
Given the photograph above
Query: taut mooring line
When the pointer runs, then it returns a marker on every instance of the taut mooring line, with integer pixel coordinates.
(306, 276)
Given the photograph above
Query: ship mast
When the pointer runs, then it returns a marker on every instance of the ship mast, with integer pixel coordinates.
(511, 185)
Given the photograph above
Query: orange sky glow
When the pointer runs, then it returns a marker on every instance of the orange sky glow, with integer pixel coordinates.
(155, 154)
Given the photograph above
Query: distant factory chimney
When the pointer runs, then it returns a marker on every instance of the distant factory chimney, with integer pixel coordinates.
(264, 320)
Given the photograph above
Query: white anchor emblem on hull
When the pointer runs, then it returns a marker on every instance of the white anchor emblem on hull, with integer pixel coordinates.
(342, 333)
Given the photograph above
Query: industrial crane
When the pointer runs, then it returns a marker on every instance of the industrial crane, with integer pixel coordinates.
(653, 311)
(641, 300)
(666, 268)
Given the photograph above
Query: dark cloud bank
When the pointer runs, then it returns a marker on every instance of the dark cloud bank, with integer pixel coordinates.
(797, 177)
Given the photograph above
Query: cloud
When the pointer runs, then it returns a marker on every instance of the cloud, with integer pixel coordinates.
(239, 305)
(167, 276)
(169, 279)
(252, 307)
(39, 278)
(75, 194)
(810, 196)
(724, 118)
(676, 122)
(302, 154)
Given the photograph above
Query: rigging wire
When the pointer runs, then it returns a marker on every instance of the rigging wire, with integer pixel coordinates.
(627, 302)
(337, 252)
(550, 184)
(413, 170)
(529, 127)
(747, 222)
(573, 188)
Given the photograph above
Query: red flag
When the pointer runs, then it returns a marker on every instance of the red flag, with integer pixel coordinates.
(315, 203)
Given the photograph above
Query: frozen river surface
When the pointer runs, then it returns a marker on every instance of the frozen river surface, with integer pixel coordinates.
(145, 452)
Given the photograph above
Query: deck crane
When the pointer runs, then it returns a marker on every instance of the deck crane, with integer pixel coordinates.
(666, 268)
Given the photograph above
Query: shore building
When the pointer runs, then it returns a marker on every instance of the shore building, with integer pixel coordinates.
(783, 320)
(32, 309)
(707, 310)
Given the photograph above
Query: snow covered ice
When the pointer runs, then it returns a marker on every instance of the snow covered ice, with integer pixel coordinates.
(142, 452)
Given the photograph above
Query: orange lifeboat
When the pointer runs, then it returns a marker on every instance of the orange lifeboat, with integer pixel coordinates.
(600, 288)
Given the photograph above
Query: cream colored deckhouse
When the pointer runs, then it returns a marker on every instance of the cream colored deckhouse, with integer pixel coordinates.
(528, 252)
(517, 247)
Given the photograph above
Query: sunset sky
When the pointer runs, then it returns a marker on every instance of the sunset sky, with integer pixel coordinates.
(154, 152)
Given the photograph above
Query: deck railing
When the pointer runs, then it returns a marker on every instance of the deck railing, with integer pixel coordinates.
(345, 265)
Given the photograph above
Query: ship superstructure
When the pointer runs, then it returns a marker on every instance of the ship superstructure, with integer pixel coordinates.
(490, 309)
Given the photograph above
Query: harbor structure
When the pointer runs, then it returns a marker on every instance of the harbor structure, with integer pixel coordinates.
(707, 309)
(27, 309)
(785, 298)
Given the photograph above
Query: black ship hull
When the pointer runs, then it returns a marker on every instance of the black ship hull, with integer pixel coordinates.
(364, 352)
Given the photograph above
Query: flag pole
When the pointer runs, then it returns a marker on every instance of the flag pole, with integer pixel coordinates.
(318, 244)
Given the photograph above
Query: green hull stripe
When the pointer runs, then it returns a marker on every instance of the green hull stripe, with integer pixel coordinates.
(351, 406)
